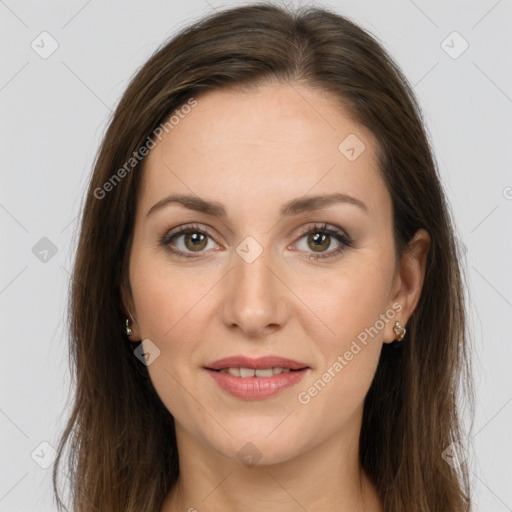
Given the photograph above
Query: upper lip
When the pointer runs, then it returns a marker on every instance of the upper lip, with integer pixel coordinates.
(260, 362)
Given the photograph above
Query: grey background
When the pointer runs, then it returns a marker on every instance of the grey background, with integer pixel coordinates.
(54, 111)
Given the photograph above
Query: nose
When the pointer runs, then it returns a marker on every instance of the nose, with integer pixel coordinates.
(256, 298)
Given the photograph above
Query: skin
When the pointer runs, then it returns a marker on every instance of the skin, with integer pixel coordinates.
(252, 152)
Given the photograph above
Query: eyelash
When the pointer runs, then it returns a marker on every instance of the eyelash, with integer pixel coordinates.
(339, 235)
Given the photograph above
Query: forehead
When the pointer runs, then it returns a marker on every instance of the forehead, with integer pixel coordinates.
(279, 141)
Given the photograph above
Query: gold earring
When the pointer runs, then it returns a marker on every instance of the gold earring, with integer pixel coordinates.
(399, 331)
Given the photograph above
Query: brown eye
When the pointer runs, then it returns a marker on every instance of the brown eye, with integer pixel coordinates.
(195, 241)
(319, 242)
(186, 240)
(316, 241)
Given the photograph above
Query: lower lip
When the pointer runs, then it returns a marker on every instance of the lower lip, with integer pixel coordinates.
(256, 388)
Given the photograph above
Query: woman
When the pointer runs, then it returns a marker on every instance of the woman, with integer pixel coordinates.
(267, 307)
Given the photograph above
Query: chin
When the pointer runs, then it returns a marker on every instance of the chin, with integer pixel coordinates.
(258, 448)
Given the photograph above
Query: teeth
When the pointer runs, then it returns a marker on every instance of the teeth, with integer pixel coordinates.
(250, 372)
(247, 372)
(267, 372)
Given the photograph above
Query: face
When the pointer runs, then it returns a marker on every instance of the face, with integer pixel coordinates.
(277, 275)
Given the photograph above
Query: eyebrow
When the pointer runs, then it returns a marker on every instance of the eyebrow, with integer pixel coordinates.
(293, 207)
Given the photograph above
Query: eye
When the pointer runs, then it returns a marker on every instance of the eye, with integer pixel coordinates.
(320, 237)
(194, 239)
(191, 238)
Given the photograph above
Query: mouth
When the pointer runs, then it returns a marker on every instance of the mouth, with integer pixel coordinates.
(245, 373)
(256, 379)
(244, 365)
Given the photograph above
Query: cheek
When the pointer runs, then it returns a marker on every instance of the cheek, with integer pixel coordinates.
(347, 327)
(165, 316)
(345, 304)
(165, 297)
(349, 350)
(350, 355)
(167, 304)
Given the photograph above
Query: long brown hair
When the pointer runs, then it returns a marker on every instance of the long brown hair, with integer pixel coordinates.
(123, 454)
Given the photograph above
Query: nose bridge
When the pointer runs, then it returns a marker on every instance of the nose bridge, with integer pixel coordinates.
(254, 297)
(252, 273)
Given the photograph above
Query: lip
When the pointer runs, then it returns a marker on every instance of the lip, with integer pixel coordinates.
(260, 362)
(256, 388)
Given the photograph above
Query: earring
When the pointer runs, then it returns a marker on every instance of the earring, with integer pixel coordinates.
(128, 329)
(399, 331)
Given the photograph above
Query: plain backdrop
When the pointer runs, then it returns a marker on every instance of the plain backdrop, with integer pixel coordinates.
(64, 66)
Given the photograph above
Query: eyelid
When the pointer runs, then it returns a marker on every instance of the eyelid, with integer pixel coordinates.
(170, 233)
(325, 227)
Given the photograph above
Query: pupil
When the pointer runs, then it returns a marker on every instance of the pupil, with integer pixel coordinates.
(197, 240)
(319, 240)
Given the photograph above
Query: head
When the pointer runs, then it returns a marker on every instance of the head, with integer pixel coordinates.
(251, 113)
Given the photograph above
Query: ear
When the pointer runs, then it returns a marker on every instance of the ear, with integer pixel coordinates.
(408, 281)
(129, 309)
